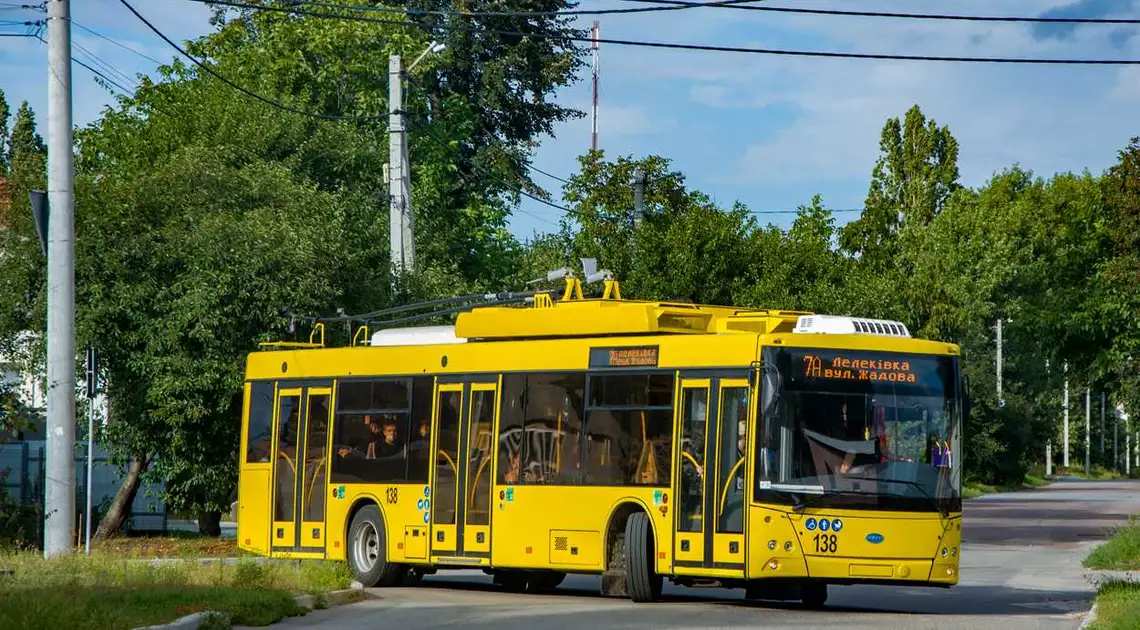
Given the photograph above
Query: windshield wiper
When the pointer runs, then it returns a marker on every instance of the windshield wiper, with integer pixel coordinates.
(801, 505)
(937, 505)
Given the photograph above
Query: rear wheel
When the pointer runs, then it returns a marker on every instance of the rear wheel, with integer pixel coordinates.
(367, 550)
(643, 583)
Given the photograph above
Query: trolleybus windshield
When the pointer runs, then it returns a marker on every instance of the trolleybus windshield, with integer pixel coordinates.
(859, 429)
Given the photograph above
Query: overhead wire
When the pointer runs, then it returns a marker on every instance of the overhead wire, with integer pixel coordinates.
(564, 12)
(684, 46)
(899, 15)
(239, 88)
(115, 42)
(273, 103)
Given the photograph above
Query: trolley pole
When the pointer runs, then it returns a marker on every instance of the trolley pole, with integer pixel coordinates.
(59, 467)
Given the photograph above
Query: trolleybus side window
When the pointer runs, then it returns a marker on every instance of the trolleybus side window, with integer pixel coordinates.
(629, 427)
(540, 428)
(370, 435)
(419, 434)
(259, 437)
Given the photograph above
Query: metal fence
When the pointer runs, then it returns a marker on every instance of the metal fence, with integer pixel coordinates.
(23, 463)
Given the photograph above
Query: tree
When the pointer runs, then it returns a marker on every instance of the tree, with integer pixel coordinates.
(684, 248)
(239, 208)
(5, 115)
(911, 182)
(1120, 275)
(22, 290)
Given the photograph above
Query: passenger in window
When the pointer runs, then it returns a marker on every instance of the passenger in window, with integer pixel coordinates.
(384, 444)
(514, 466)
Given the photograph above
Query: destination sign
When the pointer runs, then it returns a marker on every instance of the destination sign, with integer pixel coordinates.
(847, 369)
(631, 356)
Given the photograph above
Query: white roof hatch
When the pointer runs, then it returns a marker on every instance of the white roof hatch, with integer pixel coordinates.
(842, 325)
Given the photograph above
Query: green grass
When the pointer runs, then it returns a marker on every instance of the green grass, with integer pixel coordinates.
(974, 490)
(1117, 607)
(108, 593)
(1121, 552)
(1097, 473)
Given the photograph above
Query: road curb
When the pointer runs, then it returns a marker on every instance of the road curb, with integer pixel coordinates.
(1098, 578)
(193, 622)
(213, 619)
(1090, 618)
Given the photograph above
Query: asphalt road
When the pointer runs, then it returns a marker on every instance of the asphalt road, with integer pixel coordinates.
(1020, 569)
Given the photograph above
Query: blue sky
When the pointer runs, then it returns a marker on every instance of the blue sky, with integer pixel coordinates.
(765, 130)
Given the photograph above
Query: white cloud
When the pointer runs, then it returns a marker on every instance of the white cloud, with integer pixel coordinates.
(1048, 118)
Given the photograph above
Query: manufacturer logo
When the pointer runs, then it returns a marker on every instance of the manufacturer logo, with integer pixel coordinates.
(874, 538)
(810, 524)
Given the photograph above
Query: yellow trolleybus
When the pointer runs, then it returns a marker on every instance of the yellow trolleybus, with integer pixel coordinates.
(778, 452)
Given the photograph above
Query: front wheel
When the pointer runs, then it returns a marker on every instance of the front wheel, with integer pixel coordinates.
(643, 583)
(367, 551)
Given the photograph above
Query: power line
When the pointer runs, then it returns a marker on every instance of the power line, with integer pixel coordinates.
(693, 47)
(445, 145)
(430, 134)
(102, 63)
(116, 42)
(550, 175)
(126, 91)
(568, 12)
(237, 87)
(907, 16)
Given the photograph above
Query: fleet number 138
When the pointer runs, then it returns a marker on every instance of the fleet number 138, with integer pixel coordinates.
(826, 543)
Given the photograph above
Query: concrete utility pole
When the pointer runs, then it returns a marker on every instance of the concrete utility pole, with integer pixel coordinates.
(400, 234)
(59, 467)
(997, 364)
(595, 31)
(1115, 439)
(638, 196)
(1088, 431)
(92, 390)
(1102, 427)
(1049, 442)
(1065, 426)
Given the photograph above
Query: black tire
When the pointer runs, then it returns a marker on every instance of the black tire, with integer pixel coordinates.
(642, 582)
(814, 595)
(368, 552)
(512, 580)
(411, 576)
(544, 581)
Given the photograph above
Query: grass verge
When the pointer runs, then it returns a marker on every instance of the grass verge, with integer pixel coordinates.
(173, 545)
(974, 490)
(1119, 553)
(106, 593)
(1117, 607)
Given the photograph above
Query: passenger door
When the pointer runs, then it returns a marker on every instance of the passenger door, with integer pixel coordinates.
(462, 478)
(300, 469)
(710, 491)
